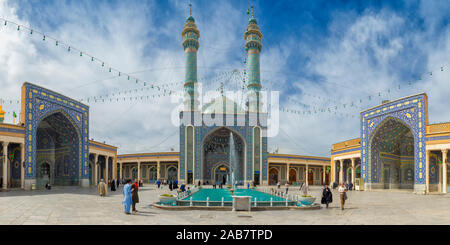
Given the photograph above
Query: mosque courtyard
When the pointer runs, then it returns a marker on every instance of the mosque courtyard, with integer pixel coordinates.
(82, 206)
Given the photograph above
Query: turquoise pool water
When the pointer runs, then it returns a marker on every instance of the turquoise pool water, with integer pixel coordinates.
(215, 198)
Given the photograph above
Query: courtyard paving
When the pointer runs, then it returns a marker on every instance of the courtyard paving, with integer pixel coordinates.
(74, 205)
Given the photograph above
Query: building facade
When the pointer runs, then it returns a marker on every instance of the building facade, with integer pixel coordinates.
(211, 133)
(398, 149)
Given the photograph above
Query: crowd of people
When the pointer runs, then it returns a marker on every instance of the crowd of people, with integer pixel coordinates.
(131, 189)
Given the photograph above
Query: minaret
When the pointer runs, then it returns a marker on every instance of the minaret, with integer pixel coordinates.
(253, 47)
(190, 36)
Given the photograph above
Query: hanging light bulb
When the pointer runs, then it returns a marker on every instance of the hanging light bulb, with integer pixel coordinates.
(56, 43)
(5, 22)
(43, 39)
(31, 32)
(103, 64)
(110, 69)
(442, 68)
(81, 54)
(18, 28)
(68, 49)
(92, 58)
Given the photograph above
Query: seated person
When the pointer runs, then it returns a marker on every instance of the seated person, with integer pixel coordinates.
(48, 186)
(188, 191)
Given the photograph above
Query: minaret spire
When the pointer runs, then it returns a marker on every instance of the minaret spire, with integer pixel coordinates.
(253, 47)
(190, 36)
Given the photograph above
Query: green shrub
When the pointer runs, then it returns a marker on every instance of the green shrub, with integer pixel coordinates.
(167, 195)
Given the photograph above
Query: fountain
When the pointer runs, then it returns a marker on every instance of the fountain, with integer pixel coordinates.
(233, 163)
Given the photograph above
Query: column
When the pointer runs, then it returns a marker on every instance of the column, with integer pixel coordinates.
(120, 173)
(324, 175)
(5, 165)
(306, 175)
(22, 167)
(427, 173)
(107, 169)
(139, 171)
(353, 172)
(288, 165)
(115, 167)
(96, 169)
(444, 171)
(158, 170)
(341, 171)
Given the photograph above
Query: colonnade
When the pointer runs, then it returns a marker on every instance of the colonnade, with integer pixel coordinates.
(443, 177)
(6, 175)
(340, 163)
(95, 170)
(305, 173)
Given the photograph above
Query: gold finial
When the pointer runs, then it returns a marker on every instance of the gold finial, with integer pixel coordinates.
(252, 11)
(190, 9)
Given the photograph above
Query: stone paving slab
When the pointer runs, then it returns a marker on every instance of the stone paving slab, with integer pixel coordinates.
(74, 205)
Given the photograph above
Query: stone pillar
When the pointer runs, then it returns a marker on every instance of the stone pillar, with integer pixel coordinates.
(115, 168)
(158, 170)
(96, 169)
(324, 175)
(288, 165)
(5, 165)
(22, 167)
(120, 171)
(107, 169)
(444, 171)
(341, 171)
(306, 175)
(353, 172)
(139, 171)
(427, 171)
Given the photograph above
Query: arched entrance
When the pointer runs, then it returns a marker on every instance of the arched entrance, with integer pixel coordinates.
(310, 177)
(153, 175)
(292, 176)
(57, 139)
(43, 174)
(392, 149)
(221, 174)
(216, 148)
(91, 176)
(172, 173)
(134, 173)
(273, 176)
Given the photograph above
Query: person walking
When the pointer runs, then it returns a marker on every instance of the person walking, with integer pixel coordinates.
(158, 182)
(117, 183)
(113, 185)
(342, 195)
(127, 200)
(170, 185)
(287, 187)
(134, 194)
(327, 196)
(278, 185)
(102, 188)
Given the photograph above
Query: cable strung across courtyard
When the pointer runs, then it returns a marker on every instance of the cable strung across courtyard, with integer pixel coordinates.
(397, 147)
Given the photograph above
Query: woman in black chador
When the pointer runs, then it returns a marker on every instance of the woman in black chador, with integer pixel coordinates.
(327, 196)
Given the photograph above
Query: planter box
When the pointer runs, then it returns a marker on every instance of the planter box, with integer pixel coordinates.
(307, 200)
(241, 203)
(167, 200)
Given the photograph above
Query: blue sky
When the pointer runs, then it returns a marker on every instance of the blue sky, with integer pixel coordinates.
(340, 51)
